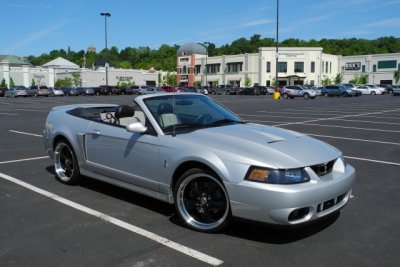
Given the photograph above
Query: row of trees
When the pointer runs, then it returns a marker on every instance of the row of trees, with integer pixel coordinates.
(164, 58)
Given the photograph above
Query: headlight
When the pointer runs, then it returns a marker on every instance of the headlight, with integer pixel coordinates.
(273, 176)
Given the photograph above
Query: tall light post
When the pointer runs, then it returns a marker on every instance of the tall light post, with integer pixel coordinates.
(106, 14)
(206, 44)
(277, 44)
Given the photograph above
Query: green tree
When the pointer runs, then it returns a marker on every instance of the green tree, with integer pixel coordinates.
(247, 81)
(326, 80)
(33, 82)
(396, 76)
(197, 83)
(171, 78)
(338, 78)
(11, 83)
(76, 76)
(67, 82)
(3, 83)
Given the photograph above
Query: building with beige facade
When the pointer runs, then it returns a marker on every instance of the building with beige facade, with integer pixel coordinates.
(296, 65)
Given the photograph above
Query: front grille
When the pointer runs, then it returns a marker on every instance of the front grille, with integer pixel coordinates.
(323, 169)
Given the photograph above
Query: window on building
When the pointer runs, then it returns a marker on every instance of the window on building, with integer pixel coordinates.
(387, 64)
(342, 69)
(235, 67)
(268, 66)
(184, 70)
(298, 66)
(323, 66)
(330, 67)
(312, 66)
(374, 68)
(363, 68)
(213, 68)
(326, 66)
(312, 82)
(282, 66)
(198, 69)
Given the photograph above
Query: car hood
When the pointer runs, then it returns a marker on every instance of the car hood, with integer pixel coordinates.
(255, 144)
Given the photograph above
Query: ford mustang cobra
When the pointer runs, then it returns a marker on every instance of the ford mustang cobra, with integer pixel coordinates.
(186, 149)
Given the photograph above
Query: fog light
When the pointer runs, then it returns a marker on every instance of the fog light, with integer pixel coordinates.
(298, 214)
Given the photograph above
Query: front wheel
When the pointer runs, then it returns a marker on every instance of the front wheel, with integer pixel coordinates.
(306, 96)
(65, 163)
(201, 201)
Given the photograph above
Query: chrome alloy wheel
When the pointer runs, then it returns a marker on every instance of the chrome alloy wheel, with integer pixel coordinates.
(202, 202)
(65, 163)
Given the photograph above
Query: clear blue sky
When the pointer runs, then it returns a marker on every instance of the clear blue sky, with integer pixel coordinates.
(33, 27)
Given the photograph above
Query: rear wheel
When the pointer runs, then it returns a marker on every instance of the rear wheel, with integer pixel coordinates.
(201, 201)
(373, 93)
(306, 96)
(65, 163)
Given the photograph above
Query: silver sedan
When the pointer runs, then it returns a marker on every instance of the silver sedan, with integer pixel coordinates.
(190, 151)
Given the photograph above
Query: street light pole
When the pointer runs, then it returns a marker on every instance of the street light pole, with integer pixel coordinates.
(206, 44)
(277, 44)
(106, 14)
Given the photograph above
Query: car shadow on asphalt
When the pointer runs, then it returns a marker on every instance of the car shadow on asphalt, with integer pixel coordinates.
(123, 194)
(266, 233)
(238, 228)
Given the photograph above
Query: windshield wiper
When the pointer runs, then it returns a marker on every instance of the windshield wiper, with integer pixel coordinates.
(182, 126)
(225, 121)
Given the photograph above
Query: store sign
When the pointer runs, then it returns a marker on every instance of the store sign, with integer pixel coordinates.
(184, 77)
(291, 54)
(124, 78)
(353, 66)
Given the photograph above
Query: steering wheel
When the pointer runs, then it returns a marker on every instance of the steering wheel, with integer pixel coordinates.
(203, 119)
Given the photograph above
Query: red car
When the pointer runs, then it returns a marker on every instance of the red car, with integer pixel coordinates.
(169, 89)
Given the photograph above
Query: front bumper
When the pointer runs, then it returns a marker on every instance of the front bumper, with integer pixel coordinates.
(291, 204)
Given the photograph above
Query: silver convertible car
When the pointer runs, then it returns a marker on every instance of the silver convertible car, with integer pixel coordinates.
(187, 149)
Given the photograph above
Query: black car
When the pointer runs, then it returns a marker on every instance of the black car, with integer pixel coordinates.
(71, 91)
(249, 91)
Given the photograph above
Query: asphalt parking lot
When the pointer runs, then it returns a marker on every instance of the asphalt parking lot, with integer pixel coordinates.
(46, 223)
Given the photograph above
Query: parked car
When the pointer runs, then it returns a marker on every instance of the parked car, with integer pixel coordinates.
(396, 90)
(190, 151)
(87, 91)
(372, 86)
(56, 92)
(17, 91)
(38, 90)
(292, 91)
(2, 91)
(388, 88)
(102, 90)
(336, 90)
(353, 88)
(366, 90)
(151, 90)
(135, 89)
(71, 91)
(171, 89)
(249, 91)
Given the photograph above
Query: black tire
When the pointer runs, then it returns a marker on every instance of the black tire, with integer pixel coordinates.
(306, 96)
(201, 201)
(285, 96)
(373, 93)
(65, 163)
(326, 94)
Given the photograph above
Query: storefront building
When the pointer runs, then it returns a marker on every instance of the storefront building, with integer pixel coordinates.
(296, 65)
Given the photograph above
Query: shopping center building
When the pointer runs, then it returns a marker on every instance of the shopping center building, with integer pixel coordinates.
(23, 73)
(296, 65)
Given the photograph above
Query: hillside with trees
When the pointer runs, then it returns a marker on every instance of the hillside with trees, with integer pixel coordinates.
(164, 58)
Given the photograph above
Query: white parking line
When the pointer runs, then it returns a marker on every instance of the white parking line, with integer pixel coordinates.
(11, 114)
(355, 128)
(31, 134)
(20, 160)
(373, 160)
(354, 139)
(102, 216)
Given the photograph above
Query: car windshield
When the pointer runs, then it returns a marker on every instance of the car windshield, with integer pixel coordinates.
(175, 113)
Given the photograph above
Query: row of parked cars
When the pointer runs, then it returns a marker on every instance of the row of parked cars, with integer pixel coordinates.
(290, 91)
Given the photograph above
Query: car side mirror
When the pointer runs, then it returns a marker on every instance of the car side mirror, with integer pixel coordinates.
(136, 127)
